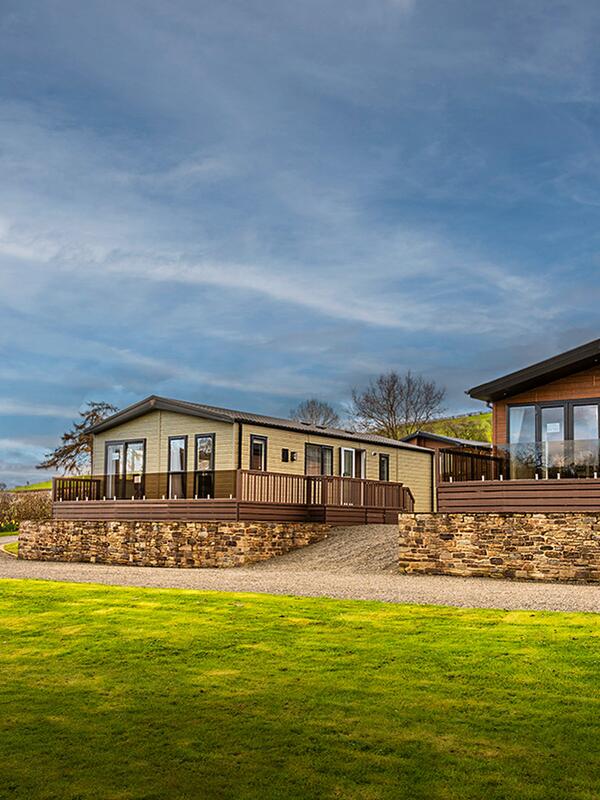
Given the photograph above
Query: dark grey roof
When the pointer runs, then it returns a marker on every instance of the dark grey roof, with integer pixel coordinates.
(438, 437)
(155, 403)
(551, 369)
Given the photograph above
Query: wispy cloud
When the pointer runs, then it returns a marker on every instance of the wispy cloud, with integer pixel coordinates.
(17, 408)
(289, 200)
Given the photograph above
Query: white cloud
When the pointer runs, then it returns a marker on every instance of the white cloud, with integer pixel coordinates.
(18, 408)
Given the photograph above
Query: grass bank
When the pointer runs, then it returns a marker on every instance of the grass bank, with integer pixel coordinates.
(33, 487)
(139, 693)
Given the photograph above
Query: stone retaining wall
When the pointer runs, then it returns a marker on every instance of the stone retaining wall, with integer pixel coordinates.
(165, 544)
(546, 547)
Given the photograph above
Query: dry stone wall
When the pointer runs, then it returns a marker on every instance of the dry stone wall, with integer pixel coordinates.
(546, 547)
(165, 544)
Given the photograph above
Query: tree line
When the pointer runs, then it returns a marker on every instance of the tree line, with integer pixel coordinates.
(393, 405)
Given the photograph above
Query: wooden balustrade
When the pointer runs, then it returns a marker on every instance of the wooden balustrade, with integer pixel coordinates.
(327, 490)
(77, 488)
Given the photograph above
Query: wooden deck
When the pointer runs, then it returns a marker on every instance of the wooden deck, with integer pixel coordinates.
(527, 496)
(254, 496)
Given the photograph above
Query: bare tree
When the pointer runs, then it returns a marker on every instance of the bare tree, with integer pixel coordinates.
(317, 412)
(74, 454)
(397, 405)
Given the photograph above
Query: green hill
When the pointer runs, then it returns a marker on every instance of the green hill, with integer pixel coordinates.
(476, 426)
(33, 487)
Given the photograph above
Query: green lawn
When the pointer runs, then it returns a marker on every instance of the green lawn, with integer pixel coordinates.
(164, 695)
(9, 530)
(12, 547)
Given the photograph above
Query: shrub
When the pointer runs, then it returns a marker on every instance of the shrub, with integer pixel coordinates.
(15, 508)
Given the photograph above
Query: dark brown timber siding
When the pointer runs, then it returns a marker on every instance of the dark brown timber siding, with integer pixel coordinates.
(527, 496)
(207, 510)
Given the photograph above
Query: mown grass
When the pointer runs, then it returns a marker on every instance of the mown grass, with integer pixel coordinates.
(135, 693)
(12, 547)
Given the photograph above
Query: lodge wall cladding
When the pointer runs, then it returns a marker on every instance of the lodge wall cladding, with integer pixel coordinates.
(544, 547)
(165, 544)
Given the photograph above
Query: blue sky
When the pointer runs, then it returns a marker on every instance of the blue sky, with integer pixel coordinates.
(248, 203)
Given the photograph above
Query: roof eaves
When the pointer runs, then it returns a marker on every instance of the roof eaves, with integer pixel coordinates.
(155, 402)
(573, 360)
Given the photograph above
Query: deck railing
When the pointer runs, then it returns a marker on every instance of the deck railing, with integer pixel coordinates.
(525, 461)
(459, 465)
(244, 485)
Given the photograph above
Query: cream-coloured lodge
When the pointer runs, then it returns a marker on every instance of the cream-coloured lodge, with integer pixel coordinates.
(160, 436)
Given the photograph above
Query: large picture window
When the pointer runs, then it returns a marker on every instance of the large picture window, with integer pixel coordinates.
(554, 438)
(318, 459)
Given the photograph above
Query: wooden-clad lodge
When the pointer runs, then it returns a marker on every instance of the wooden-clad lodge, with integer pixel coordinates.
(546, 439)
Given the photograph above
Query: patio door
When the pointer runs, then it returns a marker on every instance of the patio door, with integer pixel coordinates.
(125, 470)
(553, 440)
(258, 453)
(352, 462)
(115, 469)
(347, 462)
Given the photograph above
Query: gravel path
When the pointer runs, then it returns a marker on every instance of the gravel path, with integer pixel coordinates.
(358, 548)
(301, 573)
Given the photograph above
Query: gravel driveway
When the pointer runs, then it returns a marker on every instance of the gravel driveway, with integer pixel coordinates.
(341, 567)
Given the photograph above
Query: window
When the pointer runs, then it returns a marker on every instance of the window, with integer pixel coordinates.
(285, 454)
(205, 465)
(384, 467)
(177, 466)
(318, 459)
(522, 424)
(586, 447)
(585, 422)
(553, 438)
(258, 453)
(522, 438)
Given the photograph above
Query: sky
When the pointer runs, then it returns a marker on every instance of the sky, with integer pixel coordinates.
(249, 203)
